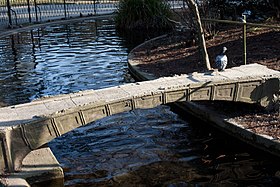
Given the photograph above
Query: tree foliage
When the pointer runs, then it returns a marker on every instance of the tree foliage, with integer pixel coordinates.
(234, 8)
(144, 14)
(275, 4)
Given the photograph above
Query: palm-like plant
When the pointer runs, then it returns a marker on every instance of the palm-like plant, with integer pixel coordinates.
(143, 14)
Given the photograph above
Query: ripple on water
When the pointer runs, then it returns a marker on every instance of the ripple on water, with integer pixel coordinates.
(122, 143)
(58, 53)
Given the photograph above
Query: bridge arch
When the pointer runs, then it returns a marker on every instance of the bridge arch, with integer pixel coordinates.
(29, 126)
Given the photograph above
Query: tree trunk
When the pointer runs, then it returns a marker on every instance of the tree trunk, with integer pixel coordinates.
(205, 58)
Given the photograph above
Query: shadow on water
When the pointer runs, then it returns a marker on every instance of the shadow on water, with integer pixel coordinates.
(156, 147)
(135, 37)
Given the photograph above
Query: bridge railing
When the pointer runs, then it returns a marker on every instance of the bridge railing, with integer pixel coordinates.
(17, 12)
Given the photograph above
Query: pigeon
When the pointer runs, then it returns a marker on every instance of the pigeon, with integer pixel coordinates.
(221, 60)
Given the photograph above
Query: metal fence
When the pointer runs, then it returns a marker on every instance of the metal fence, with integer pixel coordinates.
(17, 12)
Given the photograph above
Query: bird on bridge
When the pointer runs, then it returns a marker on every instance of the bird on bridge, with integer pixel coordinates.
(221, 60)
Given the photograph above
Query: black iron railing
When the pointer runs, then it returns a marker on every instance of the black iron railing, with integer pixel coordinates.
(17, 12)
(14, 12)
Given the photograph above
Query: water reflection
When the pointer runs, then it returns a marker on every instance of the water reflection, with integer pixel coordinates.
(155, 147)
(144, 147)
(119, 144)
(61, 59)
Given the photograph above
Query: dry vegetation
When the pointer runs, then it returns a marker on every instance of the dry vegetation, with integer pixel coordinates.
(176, 54)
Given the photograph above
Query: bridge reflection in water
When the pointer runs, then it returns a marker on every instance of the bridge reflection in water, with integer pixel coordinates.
(109, 110)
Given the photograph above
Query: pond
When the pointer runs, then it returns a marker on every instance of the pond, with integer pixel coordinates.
(153, 147)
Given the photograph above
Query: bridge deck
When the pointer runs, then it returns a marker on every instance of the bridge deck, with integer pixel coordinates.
(18, 114)
(27, 127)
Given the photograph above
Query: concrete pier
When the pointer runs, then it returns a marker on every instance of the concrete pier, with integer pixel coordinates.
(39, 166)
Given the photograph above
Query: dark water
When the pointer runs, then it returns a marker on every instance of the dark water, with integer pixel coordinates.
(61, 59)
(152, 147)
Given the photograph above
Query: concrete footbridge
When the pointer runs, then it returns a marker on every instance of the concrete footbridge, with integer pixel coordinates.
(29, 126)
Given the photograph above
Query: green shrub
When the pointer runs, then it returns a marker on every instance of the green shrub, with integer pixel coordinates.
(143, 14)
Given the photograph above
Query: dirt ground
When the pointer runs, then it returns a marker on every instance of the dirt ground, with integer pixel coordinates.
(177, 54)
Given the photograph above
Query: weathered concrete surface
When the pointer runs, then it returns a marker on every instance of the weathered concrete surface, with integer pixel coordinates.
(11, 181)
(27, 127)
(38, 166)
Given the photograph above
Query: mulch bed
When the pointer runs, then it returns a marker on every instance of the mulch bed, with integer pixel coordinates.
(177, 54)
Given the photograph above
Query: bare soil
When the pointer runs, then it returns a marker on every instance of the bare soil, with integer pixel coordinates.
(177, 54)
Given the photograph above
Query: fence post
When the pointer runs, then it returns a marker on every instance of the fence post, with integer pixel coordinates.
(65, 13)
(28, 9)
(244, 39)
(94, 6)
(9, 12)
(36, 11)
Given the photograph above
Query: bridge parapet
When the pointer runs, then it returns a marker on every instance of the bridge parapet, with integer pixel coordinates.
(28, 126)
